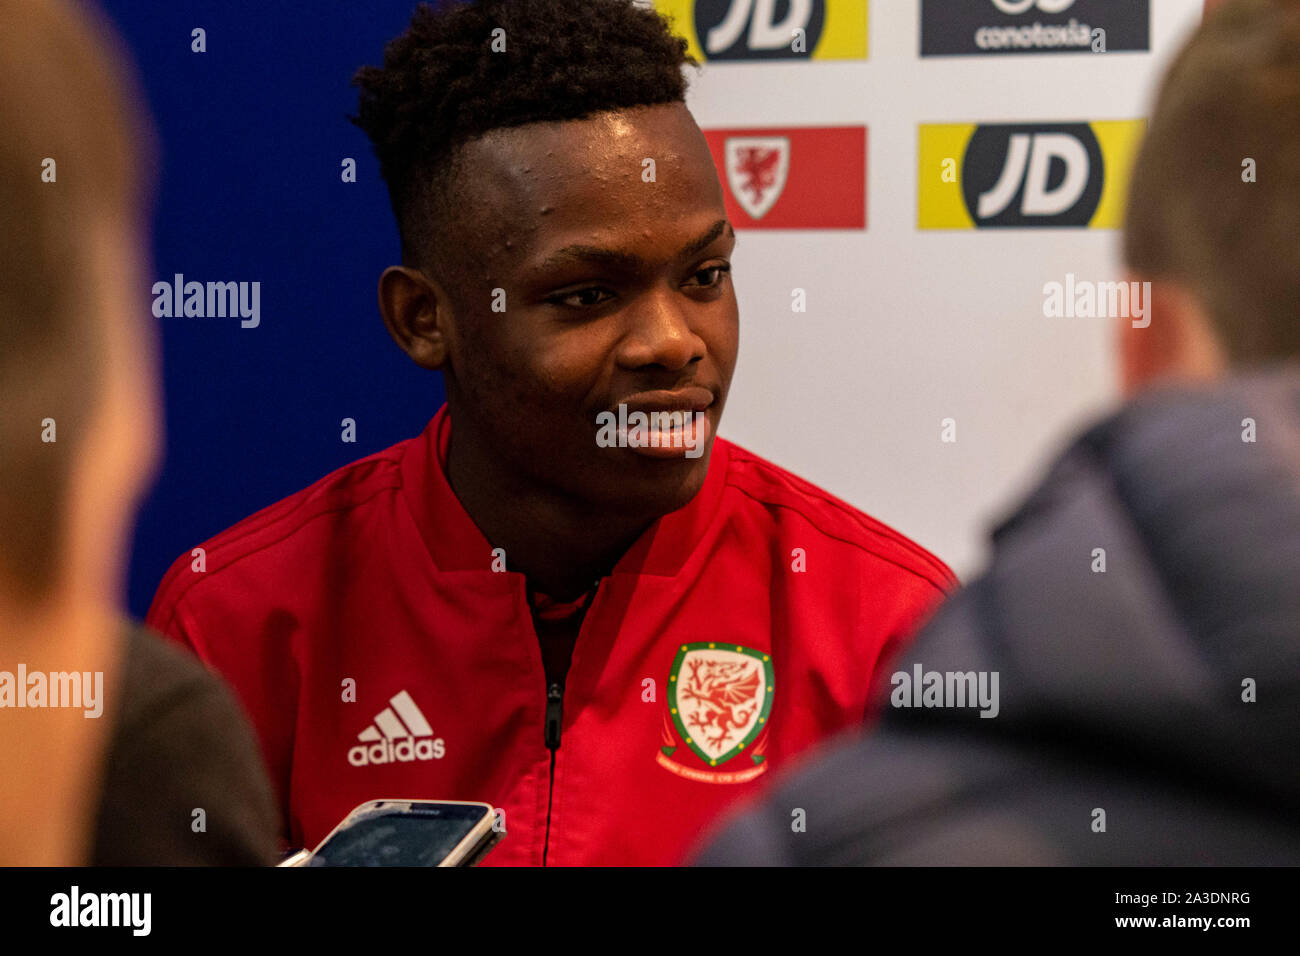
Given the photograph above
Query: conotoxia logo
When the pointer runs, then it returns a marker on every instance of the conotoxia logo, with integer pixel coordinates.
(770, 29)
(981, 27)
(400, 734)
(1014, 7)
(1024, 175)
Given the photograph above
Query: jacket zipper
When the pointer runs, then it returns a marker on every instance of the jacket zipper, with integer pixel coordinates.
(554, 721)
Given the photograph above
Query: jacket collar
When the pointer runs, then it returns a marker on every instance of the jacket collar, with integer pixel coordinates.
(456, 544)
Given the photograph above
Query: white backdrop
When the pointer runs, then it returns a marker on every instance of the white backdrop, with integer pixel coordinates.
(906, 328)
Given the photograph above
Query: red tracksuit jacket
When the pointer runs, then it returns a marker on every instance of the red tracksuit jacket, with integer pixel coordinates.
(380, 656)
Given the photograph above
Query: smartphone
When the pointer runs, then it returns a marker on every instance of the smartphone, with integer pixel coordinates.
(409, 833)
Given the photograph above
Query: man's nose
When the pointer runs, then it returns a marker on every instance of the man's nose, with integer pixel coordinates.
(660, 333)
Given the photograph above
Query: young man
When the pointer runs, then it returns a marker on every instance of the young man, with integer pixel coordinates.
(608, 633)
(1141, 610)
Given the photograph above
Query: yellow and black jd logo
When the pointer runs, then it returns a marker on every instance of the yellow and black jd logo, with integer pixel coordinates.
(770, 29)
(977, 176)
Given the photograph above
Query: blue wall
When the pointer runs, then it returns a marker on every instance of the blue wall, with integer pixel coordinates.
(253, 133)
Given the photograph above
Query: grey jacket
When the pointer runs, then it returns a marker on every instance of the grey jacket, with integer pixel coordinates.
(1126, 691)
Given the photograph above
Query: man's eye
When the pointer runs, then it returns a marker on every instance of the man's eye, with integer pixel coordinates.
(712, 276)
(582, 298)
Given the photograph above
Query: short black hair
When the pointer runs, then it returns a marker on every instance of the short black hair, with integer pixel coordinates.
(442, 85)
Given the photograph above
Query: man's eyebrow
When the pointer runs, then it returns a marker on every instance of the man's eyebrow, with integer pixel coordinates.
(715, 230)
(630, 260)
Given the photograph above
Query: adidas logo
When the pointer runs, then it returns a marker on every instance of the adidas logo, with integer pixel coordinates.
(399, 734)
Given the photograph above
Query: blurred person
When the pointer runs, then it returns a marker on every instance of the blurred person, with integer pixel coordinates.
(109, 738)
(609, 642)
(1141, 610)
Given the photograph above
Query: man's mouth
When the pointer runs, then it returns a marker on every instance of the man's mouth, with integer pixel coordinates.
(693, 398)
(660, 424)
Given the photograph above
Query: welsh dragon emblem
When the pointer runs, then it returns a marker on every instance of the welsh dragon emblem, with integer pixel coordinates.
(757, 168)
(719, 699)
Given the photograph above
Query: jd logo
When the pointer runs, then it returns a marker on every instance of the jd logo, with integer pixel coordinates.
(1016, 175)
(758, 29)
(1016, 7)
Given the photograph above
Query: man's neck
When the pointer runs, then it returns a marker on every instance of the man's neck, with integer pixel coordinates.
(52, 756)
(555, 541)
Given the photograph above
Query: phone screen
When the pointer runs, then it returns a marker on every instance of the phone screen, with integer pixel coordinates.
(420, 836)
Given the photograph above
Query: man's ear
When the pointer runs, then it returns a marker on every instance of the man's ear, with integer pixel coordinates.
(1175, 340)
(417, 314)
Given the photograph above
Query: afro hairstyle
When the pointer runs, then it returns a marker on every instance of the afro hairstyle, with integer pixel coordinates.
(446, 80)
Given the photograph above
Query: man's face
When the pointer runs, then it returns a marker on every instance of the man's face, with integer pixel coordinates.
(616, 291)
(119, 457)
